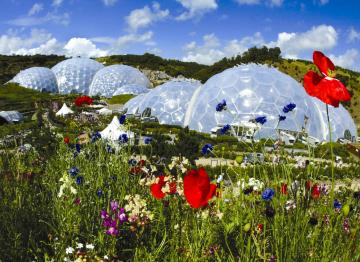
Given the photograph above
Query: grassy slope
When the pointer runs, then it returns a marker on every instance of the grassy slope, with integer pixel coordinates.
(10, 65)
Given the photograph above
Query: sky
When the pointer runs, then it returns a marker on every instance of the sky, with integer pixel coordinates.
(202, 31)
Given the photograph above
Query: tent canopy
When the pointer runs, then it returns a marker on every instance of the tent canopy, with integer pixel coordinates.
(65, 110)
(114, 130)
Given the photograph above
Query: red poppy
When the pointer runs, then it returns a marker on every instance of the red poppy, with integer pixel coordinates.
(66, 140)
(260, 228)
(283, 189)
(315, 191)
(197, 188)
(326, 88)
(81, 100)
(156, 188)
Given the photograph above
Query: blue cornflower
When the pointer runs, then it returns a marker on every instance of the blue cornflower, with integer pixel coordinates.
(73, 171)
(207, 148)
(95, 136)
(282, 118)
(77, 147)
(99, 193)
(261, 119)
(221, 106)
(147, 140)
(79, 180)
(123, 138)
(122, 119)
(132, 162)
(109, 149)
(337, 204)
(289, 107)
(268, 194)
(224, 129)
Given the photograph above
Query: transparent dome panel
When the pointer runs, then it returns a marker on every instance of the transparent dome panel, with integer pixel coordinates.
(119, 79)
(75, 75)
(257, 90)
(38, 78)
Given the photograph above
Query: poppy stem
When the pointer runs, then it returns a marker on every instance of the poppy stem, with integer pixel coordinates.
(332, 153)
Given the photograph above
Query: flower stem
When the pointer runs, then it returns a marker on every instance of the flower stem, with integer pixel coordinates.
(332, 154)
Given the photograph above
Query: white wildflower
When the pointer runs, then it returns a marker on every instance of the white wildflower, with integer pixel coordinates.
(69, 250)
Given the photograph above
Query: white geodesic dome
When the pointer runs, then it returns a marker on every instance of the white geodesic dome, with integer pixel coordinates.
(38, 78)
(168, 102)
(119, 79)
(257, 90)
(75, 75)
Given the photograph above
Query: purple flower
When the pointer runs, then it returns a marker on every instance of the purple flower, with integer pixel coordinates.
(77, 201)
(123, 138)
(221, 106)
(122, 119)
(73, 171)
(207, 148)
(261, 120)
(346, 225)
(282, 118)
(104, 214)
(122, 217)
(224, 129)
(268, 194)
(114, 205)
(112, 231)
(99, 193)
(289, 107)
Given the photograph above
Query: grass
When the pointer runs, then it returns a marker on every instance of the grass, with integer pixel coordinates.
(37, 224)
(120, 99)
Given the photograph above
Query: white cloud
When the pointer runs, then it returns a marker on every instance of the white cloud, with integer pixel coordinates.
(51, 47)
(57, 3)
(109, 2)
(211, 50)
(12, 42)
(322, 37)
(196, 8)
(353, 35)
(271, 3)
(141, 18)
(323, 2)
(83, 47)
(123, 42)
(62, 19)
(36, 8)
(346, 60)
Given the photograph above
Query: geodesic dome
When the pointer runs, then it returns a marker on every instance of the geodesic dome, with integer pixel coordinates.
(257, 90)
(119, 79)
(168, 102)
(38, 78)
(74, 75)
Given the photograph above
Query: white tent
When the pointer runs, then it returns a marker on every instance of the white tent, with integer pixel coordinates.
(64, 111)
(104, 111)
(115, 129)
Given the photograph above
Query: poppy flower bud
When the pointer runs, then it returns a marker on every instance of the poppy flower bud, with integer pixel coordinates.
(315, 192)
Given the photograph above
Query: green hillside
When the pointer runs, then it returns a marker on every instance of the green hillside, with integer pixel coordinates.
(11, 65)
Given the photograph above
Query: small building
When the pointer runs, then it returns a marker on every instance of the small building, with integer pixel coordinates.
(10, 117)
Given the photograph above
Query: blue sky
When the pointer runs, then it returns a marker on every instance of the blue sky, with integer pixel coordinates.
(203, 31)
